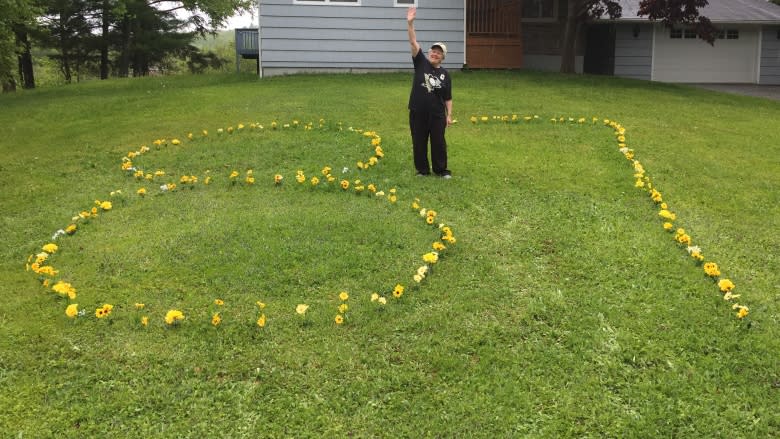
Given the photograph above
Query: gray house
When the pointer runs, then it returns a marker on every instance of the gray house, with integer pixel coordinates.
(370, 36)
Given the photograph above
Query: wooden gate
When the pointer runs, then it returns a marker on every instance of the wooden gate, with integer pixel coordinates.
(493, 36)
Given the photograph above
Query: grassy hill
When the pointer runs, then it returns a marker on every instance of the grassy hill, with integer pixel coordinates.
(564, 309)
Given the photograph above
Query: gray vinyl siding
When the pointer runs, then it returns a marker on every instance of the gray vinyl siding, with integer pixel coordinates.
(770, 56)
(634, 55)
(372, 36)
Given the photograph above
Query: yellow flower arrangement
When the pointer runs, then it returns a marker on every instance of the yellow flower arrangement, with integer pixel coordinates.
(173, 317)
(339, 319)
(711, 269)
(64, 289)
(104, 311)
(726, 285)
(72, 310)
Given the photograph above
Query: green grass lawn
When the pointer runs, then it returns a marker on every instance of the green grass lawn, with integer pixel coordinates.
(563, 310)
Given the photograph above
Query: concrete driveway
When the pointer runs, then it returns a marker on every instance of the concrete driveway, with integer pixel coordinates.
(761, 91)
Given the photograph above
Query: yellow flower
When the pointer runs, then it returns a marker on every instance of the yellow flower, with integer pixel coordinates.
(141, 191)
(711, 269)
(219, 302)
(668, 227)
(173, 317)
(743, 311)
(374, 297)
(726, 285)
(144, 321)
(315, 181)
(301, 309)
(260, 304)
(343, 308)
(278, 179)
(104, 311)
(261, 321)
(431, 258)
(175, 141)
(398, 291)
(417, 278)
(50, 248)
(106, 205)
(345, 184)
(382, 300)
(665, 214)
(233, 175)
(72, 310)
(343, 295)
(339, 319)
(64, 289)
(326, 170)
(139, 306)
(216, 319)
(438, 246)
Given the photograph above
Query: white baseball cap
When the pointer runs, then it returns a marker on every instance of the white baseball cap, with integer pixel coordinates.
(441, 46)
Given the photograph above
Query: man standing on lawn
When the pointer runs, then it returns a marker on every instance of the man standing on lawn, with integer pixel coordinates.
(430, 104)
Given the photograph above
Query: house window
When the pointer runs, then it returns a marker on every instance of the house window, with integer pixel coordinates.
(406, 3)
(732, 34)
(720, 34)
(327, 2)
(675, 33)
(540, 10)
(690, 34)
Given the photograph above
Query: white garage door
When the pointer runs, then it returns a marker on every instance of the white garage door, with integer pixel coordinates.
(681, 57)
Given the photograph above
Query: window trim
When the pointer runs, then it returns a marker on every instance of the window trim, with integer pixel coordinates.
(328, 2)
(552, 19)
(404, 5)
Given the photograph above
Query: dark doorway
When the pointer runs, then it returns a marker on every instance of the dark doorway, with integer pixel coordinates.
(600, 50)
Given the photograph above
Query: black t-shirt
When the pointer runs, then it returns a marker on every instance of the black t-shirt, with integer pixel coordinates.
(431, 87)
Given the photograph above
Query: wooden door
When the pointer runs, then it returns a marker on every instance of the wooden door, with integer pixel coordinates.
(493, 37)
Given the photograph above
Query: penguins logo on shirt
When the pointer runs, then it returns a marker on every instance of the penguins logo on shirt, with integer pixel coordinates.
(432, 82)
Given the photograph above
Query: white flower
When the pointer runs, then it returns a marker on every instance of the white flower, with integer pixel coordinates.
(694, 249)
(345, 170)
(57, 234)
(164, 187)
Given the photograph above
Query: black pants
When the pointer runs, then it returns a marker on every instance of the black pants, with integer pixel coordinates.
(424, 126)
